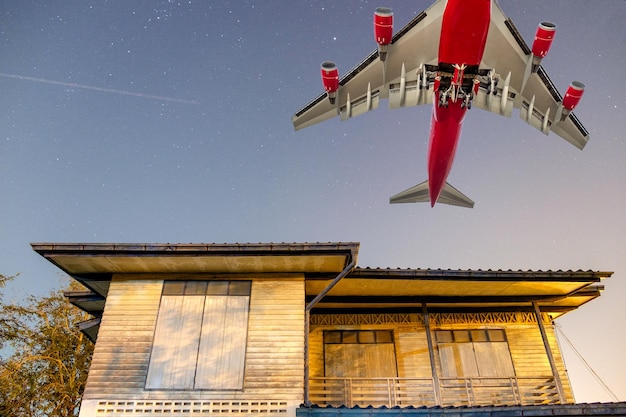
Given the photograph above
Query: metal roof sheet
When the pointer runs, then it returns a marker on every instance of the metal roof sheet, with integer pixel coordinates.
(571, 410)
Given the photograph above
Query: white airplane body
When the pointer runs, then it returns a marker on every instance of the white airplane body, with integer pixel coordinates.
(455, 55)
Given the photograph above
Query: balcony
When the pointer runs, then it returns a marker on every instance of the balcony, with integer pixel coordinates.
(403, 392)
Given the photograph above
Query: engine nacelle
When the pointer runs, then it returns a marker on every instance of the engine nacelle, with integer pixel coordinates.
(383, 30)
(543, 39)
(383, 25)
(543, 42)
(572, 97)
(330, 79)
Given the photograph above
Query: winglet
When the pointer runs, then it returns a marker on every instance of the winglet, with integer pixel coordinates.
(420, 194)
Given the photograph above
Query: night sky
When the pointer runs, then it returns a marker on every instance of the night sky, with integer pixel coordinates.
(170, 121)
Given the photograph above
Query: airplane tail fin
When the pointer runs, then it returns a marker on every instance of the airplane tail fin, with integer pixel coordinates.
(420, 194)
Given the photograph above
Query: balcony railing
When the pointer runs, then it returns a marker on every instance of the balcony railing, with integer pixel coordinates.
(403, 392)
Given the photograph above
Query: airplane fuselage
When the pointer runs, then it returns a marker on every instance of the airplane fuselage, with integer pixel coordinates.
(462, 42)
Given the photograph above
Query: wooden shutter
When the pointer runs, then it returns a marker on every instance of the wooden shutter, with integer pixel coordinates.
(359, 354)
(177, 334)
(222, 351)
(494, 359)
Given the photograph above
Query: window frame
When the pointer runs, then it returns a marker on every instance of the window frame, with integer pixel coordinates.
(359, 337)
(457, 350)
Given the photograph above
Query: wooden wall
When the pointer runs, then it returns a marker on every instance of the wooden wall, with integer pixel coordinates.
(122, 352)
(274, 371)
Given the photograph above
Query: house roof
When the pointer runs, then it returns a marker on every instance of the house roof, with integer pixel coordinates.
(93, 264)
(556, 292)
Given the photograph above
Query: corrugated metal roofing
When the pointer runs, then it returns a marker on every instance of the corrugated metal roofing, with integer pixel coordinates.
(572, 410)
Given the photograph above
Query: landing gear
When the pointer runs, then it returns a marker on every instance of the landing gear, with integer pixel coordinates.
(492, 79)
(459, 84)
(466, 104)
(467, 100)
(453, 95)
(444, 99)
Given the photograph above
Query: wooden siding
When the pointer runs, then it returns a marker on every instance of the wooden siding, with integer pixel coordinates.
(529, 354)
(412, 352)
(274, 367)
(122, 352)
(275, 354)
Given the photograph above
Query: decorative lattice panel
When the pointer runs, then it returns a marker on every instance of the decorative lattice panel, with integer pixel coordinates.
(358, 319)
(486, 318)
(189, 408)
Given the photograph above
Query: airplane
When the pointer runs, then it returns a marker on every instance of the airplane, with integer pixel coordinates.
(455, 55)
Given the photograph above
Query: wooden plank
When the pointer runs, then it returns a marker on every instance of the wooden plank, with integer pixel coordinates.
(123, 364)
(117, 343)
(275, 355)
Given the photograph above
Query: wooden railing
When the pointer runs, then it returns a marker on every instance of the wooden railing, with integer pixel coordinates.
(417, 392)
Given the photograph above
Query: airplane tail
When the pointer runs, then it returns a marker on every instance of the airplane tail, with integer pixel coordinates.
(420, 194)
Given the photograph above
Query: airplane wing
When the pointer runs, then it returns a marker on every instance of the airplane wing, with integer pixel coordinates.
(533, 93)
(412, 52)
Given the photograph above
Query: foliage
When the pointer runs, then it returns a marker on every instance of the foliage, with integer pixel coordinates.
(3, 281)
(47, 357)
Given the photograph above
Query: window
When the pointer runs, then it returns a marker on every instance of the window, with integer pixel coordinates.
(472, 353)
(200, 336)
(359, 353)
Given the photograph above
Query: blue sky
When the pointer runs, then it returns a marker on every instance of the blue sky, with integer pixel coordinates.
(187, 137)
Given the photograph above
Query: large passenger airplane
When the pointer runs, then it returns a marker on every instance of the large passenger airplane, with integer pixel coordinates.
(455, 55)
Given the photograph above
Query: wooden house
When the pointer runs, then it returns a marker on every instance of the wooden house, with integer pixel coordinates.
(299, 330)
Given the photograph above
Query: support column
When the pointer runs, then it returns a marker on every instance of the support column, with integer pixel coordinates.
(307, 325)
(307, 317)
(431, 355)
(555, 371)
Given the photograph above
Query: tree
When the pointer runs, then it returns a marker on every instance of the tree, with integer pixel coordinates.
(3, 281)
(46, 367)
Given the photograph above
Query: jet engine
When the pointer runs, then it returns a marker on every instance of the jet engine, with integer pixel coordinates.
(543, 42)
(572, 97)
(383, 30)
(330, 79)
